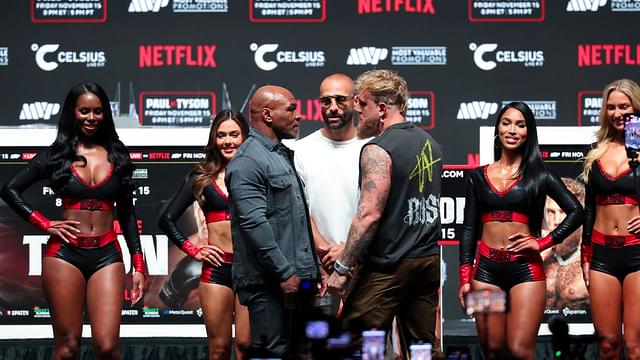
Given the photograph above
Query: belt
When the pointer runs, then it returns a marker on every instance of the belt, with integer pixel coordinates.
(227, 258)
(84, 241)
(497, 255)
(613, 241)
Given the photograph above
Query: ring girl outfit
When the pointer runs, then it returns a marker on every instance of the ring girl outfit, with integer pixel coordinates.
(215, 208)
(485, 203)
(88, 252)
(616, 255)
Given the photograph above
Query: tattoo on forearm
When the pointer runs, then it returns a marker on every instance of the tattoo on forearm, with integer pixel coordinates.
(374, 192)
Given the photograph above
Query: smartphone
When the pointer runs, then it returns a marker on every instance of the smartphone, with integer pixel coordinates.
(373, 344)
(632, 133)
(317, 330)
(420, 351)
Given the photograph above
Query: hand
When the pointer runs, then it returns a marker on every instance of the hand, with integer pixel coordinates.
(585, 273)
(290, 289)
(522, 242)
(211, 254)
(333, 253)
(137, 292)
(634, 225)
(337, 283)
(462, 293)
(65, 229)
(324, 281)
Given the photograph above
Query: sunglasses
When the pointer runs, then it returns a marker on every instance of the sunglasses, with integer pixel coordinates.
(341, 100)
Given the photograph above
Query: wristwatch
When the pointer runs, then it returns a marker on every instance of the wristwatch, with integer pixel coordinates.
(340, 268)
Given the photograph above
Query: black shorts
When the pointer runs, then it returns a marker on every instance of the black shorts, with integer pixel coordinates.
(220, 275)
(616, 261)
(88, 261)
(506, 269)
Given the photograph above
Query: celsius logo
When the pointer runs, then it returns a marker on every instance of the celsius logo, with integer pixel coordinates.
(476, 110)
(39, 110)
(147, 5)
(529, 58)
(367, 55)
(310, 58)
(89, 58)
(176, 55)
(585, 5)
(396, 6)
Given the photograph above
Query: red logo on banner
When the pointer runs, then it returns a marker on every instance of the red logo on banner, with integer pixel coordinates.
(87, 11)
(506, 11)
(589, 104)
(287, 11)
(608, 54)
(421, 109)
(176, 55)
(396, 6)
(309, 109)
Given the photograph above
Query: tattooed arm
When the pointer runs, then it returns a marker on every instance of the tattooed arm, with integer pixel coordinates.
(375, 166)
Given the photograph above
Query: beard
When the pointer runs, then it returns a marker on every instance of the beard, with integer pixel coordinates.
(369, 128)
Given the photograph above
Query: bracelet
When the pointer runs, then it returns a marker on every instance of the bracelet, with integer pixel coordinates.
(38, 220)
(340, 268)
(190, 248)
(137, 261)
(545, 242)
(465, 274)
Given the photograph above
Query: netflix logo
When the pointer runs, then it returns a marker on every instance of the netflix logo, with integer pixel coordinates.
(608, 54)
(177, 55)
(396, 6)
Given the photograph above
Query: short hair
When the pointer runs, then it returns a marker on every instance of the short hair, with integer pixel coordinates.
(385, 86)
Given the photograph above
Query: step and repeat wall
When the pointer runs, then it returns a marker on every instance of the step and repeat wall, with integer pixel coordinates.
(175, 63)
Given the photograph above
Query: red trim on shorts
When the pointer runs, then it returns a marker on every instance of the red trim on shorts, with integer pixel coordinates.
(207, 272)
(53, 247)
(227, 257)
(614, 241)
(85, 241)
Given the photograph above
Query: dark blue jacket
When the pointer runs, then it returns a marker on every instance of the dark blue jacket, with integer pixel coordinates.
(269, 219)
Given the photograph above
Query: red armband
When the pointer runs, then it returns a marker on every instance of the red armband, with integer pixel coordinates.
(137, 261)
(190, 248)
(40, 221)
(545, 242)
(465, 274)
(586, 251)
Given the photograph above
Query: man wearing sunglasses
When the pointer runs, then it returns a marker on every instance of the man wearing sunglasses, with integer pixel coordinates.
(327, 163)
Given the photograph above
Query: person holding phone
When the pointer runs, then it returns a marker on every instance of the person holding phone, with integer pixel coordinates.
(205, 183)
(504, 208)
(89, 168)
(610, 251)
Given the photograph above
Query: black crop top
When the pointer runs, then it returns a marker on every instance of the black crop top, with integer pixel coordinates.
(482, 197)
(111, 189)
(215, 208)
(602, 188)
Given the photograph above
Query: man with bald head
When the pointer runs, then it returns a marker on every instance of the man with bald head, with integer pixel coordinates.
(327, 163)
(275, 268)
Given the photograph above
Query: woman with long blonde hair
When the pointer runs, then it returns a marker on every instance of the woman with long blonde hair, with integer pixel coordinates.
(611, 233)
